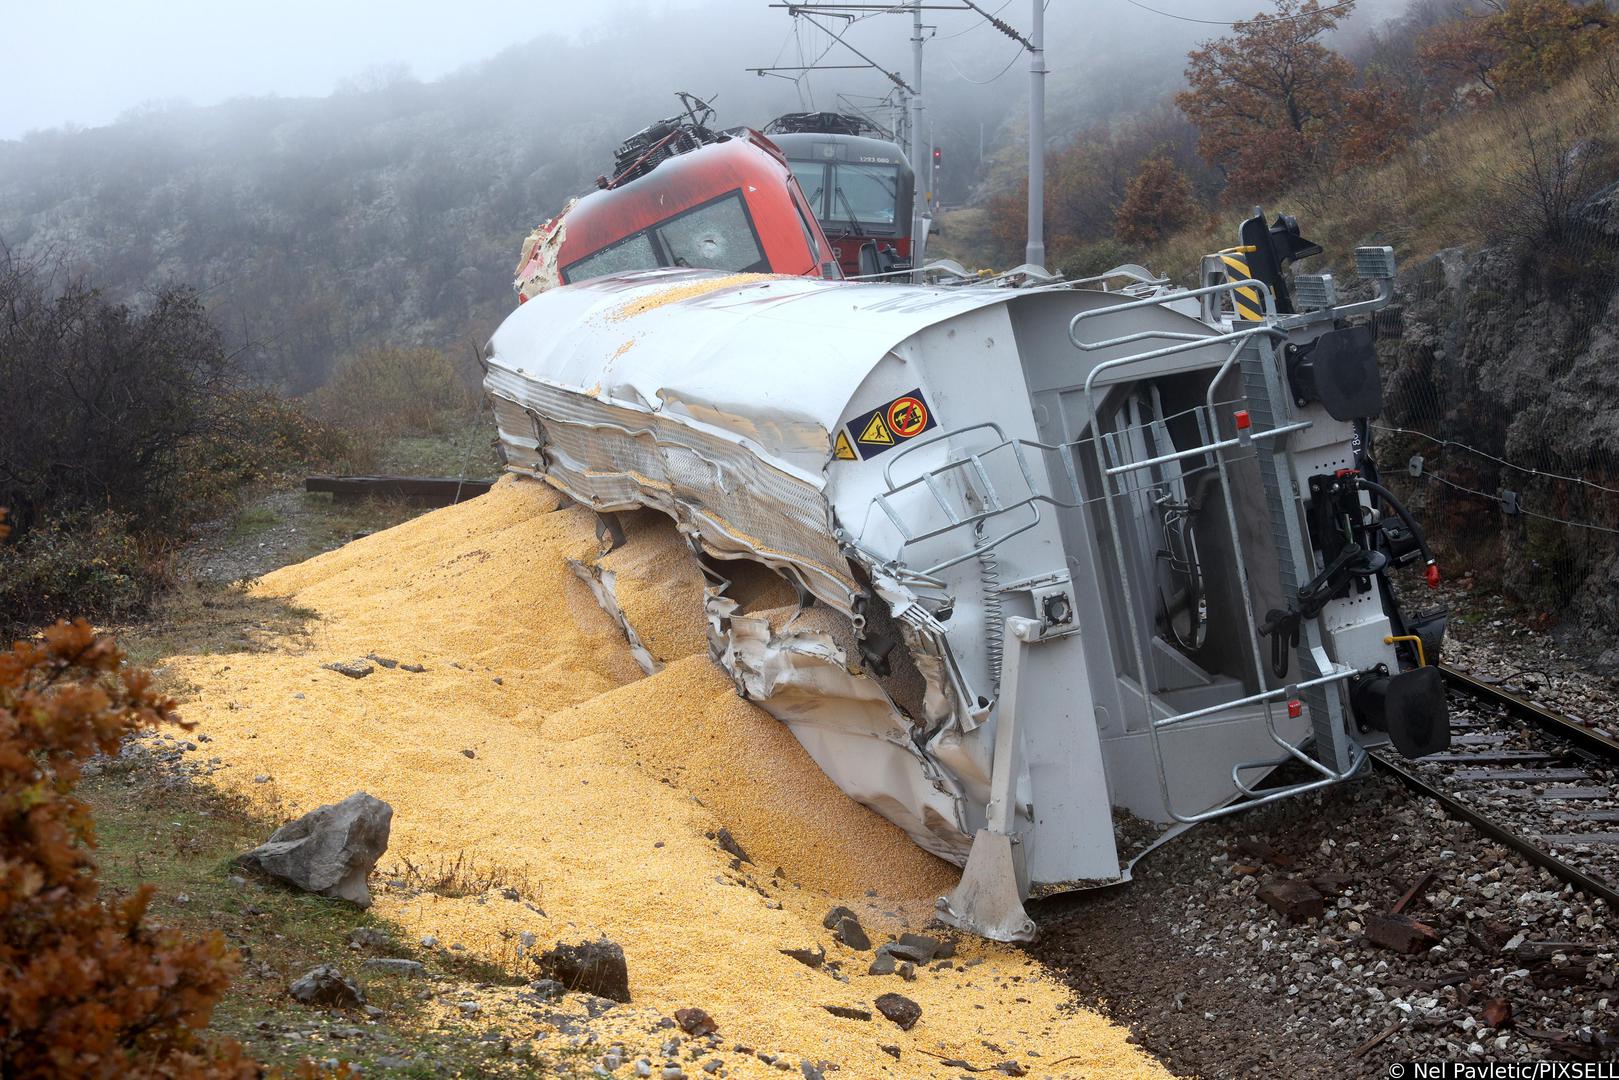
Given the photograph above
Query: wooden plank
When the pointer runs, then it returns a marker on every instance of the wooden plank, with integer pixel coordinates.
(1477, 740)
(1361, 1050)
(1491, 757)
(1589, 815)
(1590, 839)
(1420, 886)
(428, 490)
(1529, 776)
(1576, 793)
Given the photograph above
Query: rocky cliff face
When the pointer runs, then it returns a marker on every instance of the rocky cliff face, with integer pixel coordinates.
(1508, 361)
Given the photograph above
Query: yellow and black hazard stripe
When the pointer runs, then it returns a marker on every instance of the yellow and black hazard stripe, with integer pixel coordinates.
(1246, 299)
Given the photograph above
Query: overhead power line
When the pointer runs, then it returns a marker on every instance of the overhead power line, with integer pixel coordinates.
(993, 78)
(974, 26)
(1221, 22)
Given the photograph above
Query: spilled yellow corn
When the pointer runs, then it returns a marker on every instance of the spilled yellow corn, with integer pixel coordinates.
(597, 786)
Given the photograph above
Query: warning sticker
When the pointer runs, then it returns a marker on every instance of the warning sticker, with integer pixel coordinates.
(890, 424)
(841, 450)
(907, 417)
(875, 434)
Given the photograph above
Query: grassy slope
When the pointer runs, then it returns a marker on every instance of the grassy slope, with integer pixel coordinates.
(1435, 194)
(1441, 191)
(155, 826)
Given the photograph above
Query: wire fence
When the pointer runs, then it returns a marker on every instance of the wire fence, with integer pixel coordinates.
(1501, 398)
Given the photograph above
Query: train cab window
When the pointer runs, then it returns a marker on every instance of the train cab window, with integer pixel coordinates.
(864, 197)
(811, 176)
(631, 253)
(718, 235)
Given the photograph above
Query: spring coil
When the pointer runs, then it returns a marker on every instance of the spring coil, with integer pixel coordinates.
(989, 581)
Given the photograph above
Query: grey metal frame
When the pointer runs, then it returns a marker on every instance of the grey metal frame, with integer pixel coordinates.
(1348, 757)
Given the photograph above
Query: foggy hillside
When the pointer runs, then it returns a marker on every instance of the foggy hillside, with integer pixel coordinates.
(391, 211)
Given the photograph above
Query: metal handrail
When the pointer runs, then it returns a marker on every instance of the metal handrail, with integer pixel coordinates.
(1157, 301)
(1143, 671)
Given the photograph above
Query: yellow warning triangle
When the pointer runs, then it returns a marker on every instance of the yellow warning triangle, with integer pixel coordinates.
(877, 433)
(841, 450)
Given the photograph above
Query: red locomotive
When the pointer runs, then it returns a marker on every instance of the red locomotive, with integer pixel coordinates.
(683, 195)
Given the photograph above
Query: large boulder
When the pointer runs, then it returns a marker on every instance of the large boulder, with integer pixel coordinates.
(329, 850)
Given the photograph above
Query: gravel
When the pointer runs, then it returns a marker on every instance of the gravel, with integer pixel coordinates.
(1216, 983)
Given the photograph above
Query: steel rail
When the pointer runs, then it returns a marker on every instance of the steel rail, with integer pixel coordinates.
(1524, 709)
(1547, 721)
(1500, 833)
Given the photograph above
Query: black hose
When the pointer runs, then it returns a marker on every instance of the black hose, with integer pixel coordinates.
(1403, 514)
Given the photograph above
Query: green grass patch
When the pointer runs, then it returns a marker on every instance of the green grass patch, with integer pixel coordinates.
(155, 829)
(252, 521)
(464, 446)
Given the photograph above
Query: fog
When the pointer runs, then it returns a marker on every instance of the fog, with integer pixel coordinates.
(88, 63)
(351, 173)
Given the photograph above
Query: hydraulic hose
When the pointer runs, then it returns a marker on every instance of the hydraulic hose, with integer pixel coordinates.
(1432, 572)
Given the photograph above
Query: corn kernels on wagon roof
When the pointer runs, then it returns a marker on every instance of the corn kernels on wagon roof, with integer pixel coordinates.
(598, 788)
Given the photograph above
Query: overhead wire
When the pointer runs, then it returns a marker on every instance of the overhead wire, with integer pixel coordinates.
(975, 26)
(1221, 22)
(985, 82)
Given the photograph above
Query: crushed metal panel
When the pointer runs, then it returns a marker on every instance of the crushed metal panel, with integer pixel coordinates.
(546, 242)
(847, 723)
(603, 586)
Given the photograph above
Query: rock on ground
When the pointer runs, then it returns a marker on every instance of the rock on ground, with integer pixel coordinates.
(325, 985)
(329, 850)
(900, 1009)
(596, 967)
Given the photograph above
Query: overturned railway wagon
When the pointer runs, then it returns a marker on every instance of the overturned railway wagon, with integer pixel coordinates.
(1060, 551)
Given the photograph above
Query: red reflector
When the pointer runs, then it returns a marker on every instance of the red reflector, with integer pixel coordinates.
(1295, 709)
(1432, 574)
(1244, 421)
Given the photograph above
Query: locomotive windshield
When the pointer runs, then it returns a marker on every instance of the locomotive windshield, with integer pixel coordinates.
(864, 197)
(717, 235)
(852, 197)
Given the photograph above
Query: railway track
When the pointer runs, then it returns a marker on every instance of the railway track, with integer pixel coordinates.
(1541, 783)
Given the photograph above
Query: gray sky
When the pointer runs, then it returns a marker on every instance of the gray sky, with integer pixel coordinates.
(86, 61)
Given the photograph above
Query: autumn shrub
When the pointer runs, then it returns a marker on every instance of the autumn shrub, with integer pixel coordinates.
(1505, 50)
(86, 562)
(119, 429)
(1158, 201)
(380, 393)
(88, 987)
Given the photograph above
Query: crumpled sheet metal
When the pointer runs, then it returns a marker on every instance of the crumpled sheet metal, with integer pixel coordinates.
(602, 585)
(767, 361)
(611, 457)
(539, 257)
(847, 723)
